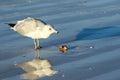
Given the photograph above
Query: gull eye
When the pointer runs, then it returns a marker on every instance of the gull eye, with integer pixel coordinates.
(50, 29)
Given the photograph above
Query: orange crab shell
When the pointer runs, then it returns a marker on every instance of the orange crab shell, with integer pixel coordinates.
(63, 48)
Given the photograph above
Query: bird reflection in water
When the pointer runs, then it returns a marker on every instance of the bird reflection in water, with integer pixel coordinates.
(36, 68)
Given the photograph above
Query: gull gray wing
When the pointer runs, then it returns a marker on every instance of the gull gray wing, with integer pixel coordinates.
(26, 67)
(28, 25)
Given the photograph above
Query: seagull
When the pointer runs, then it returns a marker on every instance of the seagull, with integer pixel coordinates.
(33, 28)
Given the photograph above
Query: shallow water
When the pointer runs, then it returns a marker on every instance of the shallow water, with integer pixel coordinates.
(82, 24)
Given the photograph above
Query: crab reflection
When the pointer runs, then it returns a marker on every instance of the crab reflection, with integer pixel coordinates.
(36, 68)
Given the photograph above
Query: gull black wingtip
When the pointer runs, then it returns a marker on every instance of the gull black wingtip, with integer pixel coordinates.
(11, 24)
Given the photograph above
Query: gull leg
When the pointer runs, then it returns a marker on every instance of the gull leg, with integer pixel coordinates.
(37, 54)
(35, 43)
(38, 44)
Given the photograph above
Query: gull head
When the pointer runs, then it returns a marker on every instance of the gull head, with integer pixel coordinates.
(48, 30)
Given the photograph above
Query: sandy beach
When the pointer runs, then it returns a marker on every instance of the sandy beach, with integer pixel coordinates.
(89, 28)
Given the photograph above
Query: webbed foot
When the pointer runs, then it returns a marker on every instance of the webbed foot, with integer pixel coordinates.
(38, 47)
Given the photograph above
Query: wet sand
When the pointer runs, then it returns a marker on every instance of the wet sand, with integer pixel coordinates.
(90, 29)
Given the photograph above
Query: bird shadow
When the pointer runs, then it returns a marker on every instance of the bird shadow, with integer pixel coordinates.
(98, 33)
(88, 34)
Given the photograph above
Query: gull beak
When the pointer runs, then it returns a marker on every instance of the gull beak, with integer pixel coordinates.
(57, 32)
